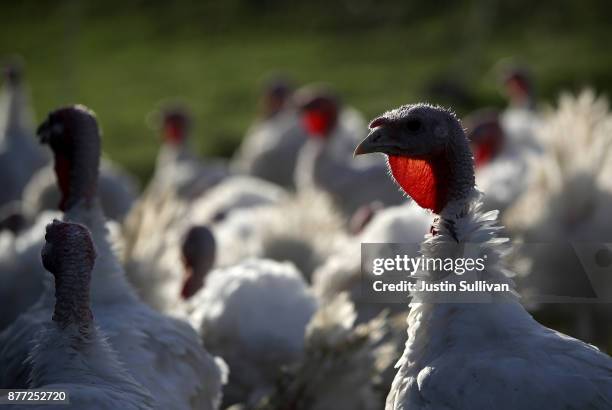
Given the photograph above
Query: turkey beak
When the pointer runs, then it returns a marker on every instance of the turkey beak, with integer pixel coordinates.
(376, 141)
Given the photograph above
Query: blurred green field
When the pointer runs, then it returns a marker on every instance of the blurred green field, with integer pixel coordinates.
(121, 58)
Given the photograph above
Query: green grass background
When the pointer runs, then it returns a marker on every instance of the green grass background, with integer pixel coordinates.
(122, 57)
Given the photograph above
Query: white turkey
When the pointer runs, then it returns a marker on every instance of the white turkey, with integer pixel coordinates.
(178, 272)
(324, 115)
(303, 229)
(163, 354)
(180, 177)
(563, 217)
(270, 147)
(177, 168)
(71, 353)
(502, 165)
(20, 157)
(324, 162)
(490, 353)
(521, 118)
(21, 276)
(254, 316)
(155, 228)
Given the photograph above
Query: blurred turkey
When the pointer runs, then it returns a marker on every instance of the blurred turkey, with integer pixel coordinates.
(180, 177)
(163, 354)
(304, 230)
(521, 118)
(20, 157)
(342, 366)
(154, 230)
(324, 115)
(37, 186)
(564, 215)
(325, 161)
(21, 276)
(502, 164)
(254, 316)
(270, 147)
(177, 168)
(178, 271)
(479, 349)
(70, 352)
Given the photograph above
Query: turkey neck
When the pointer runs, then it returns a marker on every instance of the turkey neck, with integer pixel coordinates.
(170, 154)
(77, 166)
(305, 170)
(72, 304)
(317, 167)
(108, 281)
(461, 190)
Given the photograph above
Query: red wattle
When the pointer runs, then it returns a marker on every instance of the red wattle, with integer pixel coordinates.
(316, 123)
(484, 153)
(425, 179)
(173, 132)
(62, 172)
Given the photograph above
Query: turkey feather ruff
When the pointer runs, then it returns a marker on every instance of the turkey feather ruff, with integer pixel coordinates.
(491, 354)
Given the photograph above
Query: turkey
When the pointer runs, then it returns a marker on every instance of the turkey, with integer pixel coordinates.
(324, 115)
(21, 276)
(323, 162)
(342, 366)
(490, 353)
(20, 157)
(153, 233)
(179, 271)
(164, 355)
(70, 352)
(199, 250)
(517, 85)
(502, 165)
(180, 177)
(254, 316)
(505, 144)
(271, 145)
(304, 229)
(37, 187)
(564, 215)
(177, 168)
(520, 119)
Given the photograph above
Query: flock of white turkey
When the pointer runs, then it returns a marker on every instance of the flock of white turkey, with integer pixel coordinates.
(237, 284)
